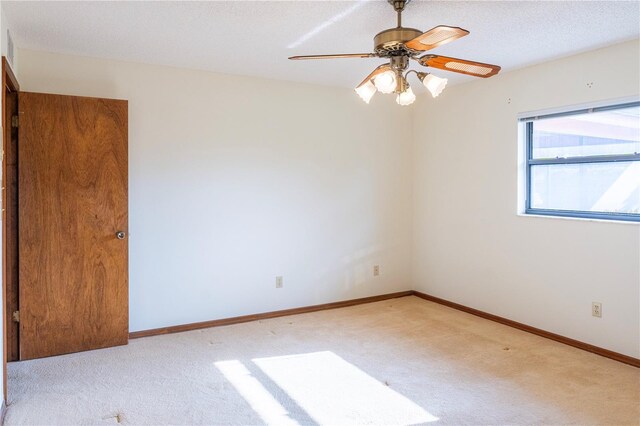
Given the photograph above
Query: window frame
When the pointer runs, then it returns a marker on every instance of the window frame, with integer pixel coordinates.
(530, 162)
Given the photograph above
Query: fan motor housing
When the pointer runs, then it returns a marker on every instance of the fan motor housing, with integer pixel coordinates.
(391, 42)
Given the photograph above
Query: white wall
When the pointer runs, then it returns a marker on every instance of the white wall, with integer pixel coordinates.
(472, 248)
(235, 180)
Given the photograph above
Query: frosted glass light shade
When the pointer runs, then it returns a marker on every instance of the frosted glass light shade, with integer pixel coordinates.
(434, 84)
(366, 91)
(385, 82)
(406, 98)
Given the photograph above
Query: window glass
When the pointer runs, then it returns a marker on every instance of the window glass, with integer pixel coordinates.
(585, 163)
(591, 187)
(612, 132)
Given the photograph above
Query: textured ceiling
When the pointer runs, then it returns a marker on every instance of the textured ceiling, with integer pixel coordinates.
(255, 38)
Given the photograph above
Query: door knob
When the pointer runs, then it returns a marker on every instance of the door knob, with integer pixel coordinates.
(120, 235)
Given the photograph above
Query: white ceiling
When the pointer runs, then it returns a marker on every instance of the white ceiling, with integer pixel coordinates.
(255, 38)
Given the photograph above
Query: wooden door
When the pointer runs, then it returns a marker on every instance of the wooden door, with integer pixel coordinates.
(73, 270)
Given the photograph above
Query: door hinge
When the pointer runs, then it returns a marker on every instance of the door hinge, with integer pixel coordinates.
(16, 316)
(14, 121)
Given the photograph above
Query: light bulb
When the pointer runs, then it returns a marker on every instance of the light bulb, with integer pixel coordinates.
(366, 91)
(385, 82)
(434, 84)
(406, 98)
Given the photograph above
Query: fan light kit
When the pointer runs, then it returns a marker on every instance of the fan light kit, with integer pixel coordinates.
(400, 45)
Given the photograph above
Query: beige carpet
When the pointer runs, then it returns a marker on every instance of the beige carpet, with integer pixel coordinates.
(402, 361)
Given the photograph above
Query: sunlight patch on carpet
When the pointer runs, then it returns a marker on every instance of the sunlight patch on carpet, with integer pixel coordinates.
(262, 402)
(333, 391)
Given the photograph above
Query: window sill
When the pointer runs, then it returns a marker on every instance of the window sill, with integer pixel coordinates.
(582, 219)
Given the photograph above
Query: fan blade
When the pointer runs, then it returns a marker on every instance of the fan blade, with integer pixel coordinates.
(379, 70)
(436, 37)
(462, 66)
(346, 55)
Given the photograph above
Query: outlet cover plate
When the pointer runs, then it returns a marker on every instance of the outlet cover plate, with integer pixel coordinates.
(596, 309)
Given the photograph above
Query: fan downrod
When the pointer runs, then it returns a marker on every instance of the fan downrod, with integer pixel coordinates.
(398, 6)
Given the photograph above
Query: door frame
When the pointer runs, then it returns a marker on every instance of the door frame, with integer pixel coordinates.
(9, 225)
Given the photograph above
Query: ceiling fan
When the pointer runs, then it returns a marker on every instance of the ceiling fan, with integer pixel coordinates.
(402, 44)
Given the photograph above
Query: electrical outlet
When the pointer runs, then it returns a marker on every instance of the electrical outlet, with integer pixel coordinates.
(376, 270)
(278, 282)
(596, 309)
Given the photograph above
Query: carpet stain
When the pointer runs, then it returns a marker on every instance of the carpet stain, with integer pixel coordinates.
(117, 417)
(506, 348)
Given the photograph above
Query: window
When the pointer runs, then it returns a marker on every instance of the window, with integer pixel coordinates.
(584, 163)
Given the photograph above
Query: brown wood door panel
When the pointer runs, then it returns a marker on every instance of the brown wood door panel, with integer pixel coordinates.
(73, 200)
